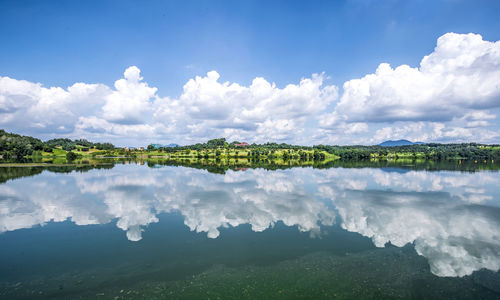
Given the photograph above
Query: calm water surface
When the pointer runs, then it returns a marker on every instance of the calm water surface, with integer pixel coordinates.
(139, 232)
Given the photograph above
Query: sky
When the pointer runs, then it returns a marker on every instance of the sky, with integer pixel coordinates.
(302, 72)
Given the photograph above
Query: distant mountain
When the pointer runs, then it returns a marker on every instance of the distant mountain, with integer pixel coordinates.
(156, 146)
(398, 143)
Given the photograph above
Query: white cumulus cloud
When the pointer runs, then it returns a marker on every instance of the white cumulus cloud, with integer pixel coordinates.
(131, 102)
(453, 95)
(462, 74)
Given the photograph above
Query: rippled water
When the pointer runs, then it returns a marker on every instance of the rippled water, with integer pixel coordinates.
(133, 231)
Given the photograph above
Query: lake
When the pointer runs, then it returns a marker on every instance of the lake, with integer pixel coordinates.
(152, 231)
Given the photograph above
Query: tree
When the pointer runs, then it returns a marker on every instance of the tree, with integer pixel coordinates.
(216, 143)
(71, 156)
(285, 155)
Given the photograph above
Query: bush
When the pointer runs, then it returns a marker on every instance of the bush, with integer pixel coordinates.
(70, 156)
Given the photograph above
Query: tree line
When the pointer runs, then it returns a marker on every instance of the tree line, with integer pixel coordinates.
(15, 146)
(430, 151)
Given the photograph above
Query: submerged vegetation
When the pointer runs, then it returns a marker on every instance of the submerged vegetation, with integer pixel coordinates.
(18, 148)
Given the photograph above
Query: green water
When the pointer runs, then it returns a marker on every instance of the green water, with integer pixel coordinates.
(153, 231)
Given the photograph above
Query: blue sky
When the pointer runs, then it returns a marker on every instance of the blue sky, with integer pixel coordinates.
(60, 43)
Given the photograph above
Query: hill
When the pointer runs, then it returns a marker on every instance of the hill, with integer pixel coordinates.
(397, 143)
(158, 146)
(15, 146)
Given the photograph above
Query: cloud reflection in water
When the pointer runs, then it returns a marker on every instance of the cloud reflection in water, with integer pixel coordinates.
(452, 218)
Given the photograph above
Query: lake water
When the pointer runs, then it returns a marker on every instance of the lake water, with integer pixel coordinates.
(132, 231)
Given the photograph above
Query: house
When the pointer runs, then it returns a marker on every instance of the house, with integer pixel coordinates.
(241, 145)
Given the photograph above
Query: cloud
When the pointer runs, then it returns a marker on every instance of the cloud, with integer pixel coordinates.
(453, 95)
(26, 106)
(131, 101)
(460, 75)
(207, 108)
(259, 112)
